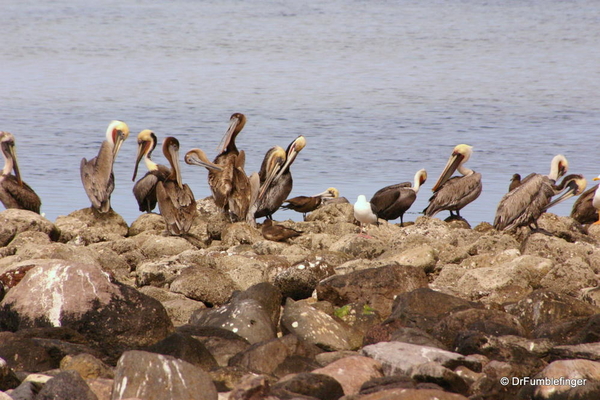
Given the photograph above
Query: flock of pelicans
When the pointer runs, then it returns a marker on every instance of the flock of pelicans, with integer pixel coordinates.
(245, 198)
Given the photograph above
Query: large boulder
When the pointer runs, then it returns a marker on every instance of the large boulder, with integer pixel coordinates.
(157, 377)
(87, 226)
(82, 297)
(14, 221)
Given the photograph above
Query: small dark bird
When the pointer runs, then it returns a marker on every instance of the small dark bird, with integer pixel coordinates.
(278, 233)
(306, 204)
(515, 182)
(14, 193)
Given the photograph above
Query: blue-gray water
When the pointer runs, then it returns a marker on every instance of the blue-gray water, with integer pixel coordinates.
(379, 89)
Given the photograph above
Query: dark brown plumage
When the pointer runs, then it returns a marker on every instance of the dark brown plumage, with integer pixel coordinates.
(392, 201)
(144, 190)
(515, 182)
(278, 233)
(583, 210)
(176, 201)
(14, 193)
(306, 204)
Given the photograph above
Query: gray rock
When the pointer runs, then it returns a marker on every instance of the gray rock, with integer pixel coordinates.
(87, 366)
(160, 272)
(186, 348)
(300, 280)
(421, 256)
(376, 286)
(243, 271)
(87, 226)
(262, 357)
(492, 322)
(544, 306)
(160, 246)
(246, 318)
(586, 351)
(14, 221)
(147, 222)
(416, 336)
(413, 394)
(240, 233)
(359, 246)
(202, 283)
(221, 343)
(352, 372)
(399, 358)
(435, 373)
(267, 295)
(332, 214)
(323, 387)
(83, 297)
(314, 326)
(423, 308)
(66, 385)
(157, 377)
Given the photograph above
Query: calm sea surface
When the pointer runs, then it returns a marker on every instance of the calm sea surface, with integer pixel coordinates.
(380, 89)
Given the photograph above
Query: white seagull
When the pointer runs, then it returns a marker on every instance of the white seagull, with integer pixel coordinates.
(364, 213)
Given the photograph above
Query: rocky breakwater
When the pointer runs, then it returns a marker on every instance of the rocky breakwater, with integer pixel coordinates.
(94, 309)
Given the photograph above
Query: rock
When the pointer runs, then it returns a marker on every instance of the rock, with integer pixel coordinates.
(300, 280)
(376, 286)
(245, 317)
(416, 336)
(82, 297)
(546, 307)
(262, 357)
(568, 379)
(398, 358)
(242, 271)
(147, 222)
(24, 354)
(186, 348)
(66, 385)
(87, 366)
(202, 283)
(423, 308)
(102, 388)
(332, 214)
(352, 372)
(267, 295)
(413, 394)
(252, 387)
(8, 379)
(27, 390)
(157, 377)
(222, 343)
(315, 326)
(359, 316)
(442, 376)
(178, 307)
(321, 386)
(161, 272)
(60, 251)
(87, 226)
(492, 322)
(161, 246)
(359, 246)
(14, 221)
(240, 233)
(570, 277)
(11, 275)
(587, 351)
(422, 256)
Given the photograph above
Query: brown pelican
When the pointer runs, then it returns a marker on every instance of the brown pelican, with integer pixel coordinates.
(306, 204)
(97, 174)
(392, 201)
(221, 182)
(514, 182)
(14, 193)
(587, 206)
(278, 179)
(144, 190)
(278, 233)
(572, 185)
(453, 194)
(335, 200)
(364, 213)
(176, 201)
(524, 205)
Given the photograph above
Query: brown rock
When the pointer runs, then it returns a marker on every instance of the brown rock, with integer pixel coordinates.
(352, 372)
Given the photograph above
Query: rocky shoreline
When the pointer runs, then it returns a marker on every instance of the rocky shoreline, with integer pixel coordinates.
(95, 309)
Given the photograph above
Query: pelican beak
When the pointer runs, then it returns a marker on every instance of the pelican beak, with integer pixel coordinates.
(574, 188)
(140, 153)
(174, 153)
(273, 171)
(292, 152)
(596, 178)
(13, 154)
(121, 136)
(236, 123)
(326, 193)
(197, 157)
(451, 166)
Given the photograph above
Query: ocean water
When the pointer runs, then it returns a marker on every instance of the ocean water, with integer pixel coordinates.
(380, 89)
